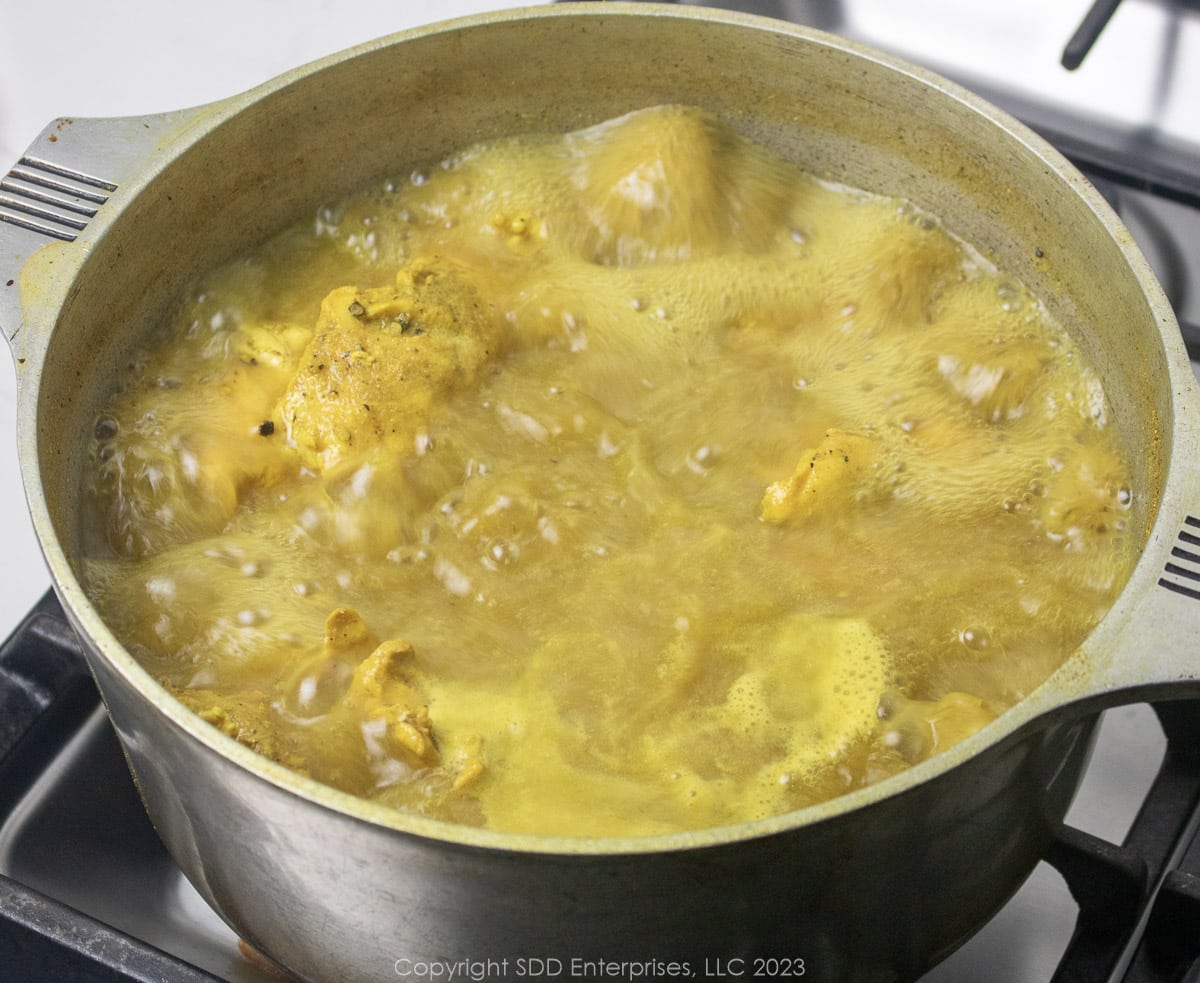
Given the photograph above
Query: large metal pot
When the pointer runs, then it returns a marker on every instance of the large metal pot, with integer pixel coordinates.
(878, 884)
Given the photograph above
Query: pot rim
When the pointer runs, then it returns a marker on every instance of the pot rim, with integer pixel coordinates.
(1066, 686)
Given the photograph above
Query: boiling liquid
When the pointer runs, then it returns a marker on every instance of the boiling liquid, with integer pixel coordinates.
(613, 483)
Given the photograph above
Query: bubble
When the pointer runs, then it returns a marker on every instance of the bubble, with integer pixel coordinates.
(548, 530)
(606, 447)
(1010, 297)
(328, 220)
(505, 552)
(975, 638)
(702, 459)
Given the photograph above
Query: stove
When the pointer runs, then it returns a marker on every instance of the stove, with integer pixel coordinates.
(87, 892)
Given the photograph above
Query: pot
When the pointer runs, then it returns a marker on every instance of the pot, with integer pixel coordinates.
(876, 885)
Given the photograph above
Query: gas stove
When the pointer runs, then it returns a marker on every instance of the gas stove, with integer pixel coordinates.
(87, 892)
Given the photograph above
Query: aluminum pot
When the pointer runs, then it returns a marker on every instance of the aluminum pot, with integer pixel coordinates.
(876, 885)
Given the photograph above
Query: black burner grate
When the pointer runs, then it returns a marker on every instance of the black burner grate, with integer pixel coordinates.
(46, 693)
(1139, 917)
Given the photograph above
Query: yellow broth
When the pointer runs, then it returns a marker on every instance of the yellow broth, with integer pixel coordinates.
(611, 483)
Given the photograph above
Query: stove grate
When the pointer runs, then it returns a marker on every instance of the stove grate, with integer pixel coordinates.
(1139, 903)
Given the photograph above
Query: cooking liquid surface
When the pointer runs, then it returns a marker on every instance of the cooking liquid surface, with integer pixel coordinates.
(614, 483)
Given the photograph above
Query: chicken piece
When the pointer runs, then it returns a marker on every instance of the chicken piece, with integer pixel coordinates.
(672, 184)
(982, 349)
(383, 361)
(170, 475)
(1089, 493)
(874, 265)
(837, 472)
(355, 677)
(386, 692)
(382, 690)
(997, 381)
(354, 713)
(248, 718)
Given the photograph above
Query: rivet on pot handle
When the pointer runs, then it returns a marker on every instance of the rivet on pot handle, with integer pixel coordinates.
(59, 193)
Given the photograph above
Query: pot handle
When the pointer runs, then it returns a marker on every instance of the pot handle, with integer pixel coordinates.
(1148, 650)
(56, 197)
